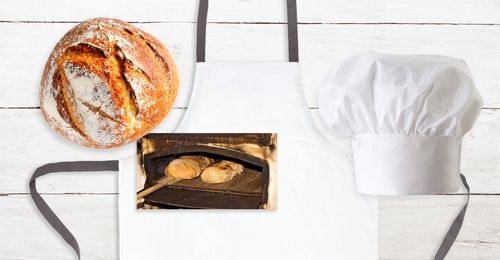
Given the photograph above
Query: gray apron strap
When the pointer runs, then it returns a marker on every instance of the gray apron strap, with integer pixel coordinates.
(452, 233)
(201, 31)
(293, 41)
(87, 166)
(47, 213)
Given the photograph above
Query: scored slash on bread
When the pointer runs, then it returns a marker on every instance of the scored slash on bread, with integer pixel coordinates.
(107, 83)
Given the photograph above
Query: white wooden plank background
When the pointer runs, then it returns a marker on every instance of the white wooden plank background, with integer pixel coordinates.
(329, 31)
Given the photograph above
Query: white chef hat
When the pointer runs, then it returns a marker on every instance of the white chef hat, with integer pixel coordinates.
(407, 115)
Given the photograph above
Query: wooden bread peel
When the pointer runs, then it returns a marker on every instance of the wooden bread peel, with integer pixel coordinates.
(162, 182)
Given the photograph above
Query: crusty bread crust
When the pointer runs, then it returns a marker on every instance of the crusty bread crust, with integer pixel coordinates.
(107, 83)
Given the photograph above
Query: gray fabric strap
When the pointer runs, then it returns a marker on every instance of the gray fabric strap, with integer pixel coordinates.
(293, 41)
(201, 31)
(452, 233)
(88, 166)
(47, 213)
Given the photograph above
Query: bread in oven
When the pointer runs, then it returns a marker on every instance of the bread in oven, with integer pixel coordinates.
(107, 83)
(221, 172)
(187, 167)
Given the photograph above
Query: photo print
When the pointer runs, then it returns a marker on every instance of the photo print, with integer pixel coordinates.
(207, 171)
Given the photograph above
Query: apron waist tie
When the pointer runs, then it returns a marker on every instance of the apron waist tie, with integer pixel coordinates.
(45, 210)
(95, 166)
(455, 227)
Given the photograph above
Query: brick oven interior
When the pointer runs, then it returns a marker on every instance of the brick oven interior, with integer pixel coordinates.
(248, 190)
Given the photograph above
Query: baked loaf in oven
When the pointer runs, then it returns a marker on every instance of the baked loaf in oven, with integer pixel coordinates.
(107, 83)
(221, 172)
(187, 167)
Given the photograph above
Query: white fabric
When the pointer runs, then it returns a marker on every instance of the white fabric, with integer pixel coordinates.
(400, 164)
(407, 115)
(319, 215)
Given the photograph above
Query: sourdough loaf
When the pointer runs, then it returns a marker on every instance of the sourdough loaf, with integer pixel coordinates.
(221, 172)
(187, 167)
(107, 83)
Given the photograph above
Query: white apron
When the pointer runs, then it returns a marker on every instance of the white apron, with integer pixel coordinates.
(319, 215)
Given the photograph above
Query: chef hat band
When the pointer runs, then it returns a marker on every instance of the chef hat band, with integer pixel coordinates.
(398, 164)
(406, 115)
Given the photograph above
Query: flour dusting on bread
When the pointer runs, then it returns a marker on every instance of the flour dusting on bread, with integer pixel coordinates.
(107, 83)
(93, 104)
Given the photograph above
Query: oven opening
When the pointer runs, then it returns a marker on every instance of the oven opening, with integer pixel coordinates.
(247, 190)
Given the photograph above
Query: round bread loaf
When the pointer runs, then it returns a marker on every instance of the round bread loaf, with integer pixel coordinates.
(221, 172)
(107, 83)
(187, 167)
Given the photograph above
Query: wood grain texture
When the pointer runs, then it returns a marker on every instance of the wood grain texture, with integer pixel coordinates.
(321, 47)
(412, 227)
(93, 220)
(315, 11)
(244, 30)
(409, 227)
(38, 145)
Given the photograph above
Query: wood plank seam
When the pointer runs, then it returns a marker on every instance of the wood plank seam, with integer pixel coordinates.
(260, 23)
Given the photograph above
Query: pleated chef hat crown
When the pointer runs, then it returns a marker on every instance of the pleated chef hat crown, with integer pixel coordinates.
(406, 115)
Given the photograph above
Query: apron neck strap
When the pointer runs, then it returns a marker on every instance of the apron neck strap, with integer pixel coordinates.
(293, 43)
